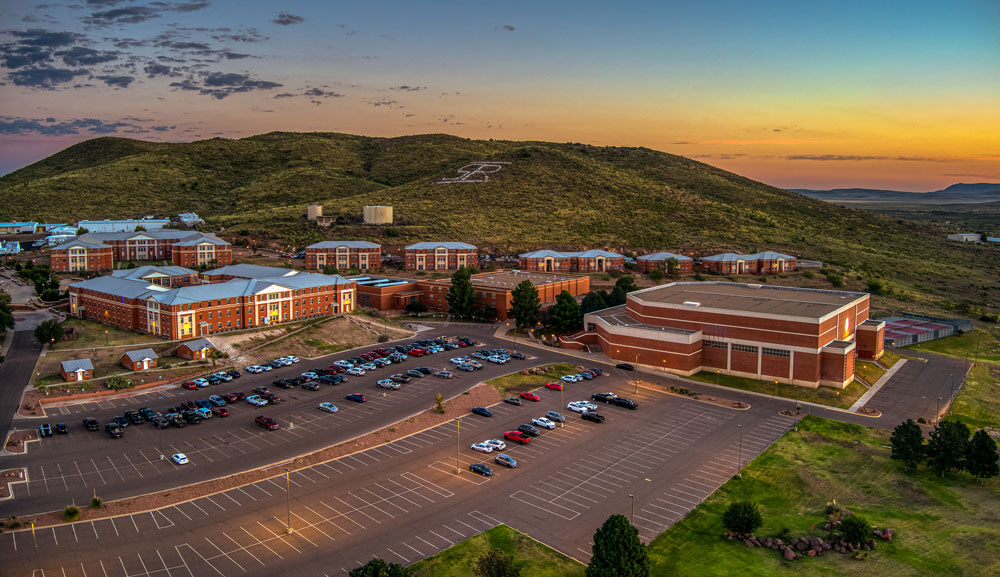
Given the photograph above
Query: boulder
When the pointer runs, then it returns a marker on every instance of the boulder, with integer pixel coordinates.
(755, 541)
(748, 543)
(789, 554)
(768, 542)
(815, 542)
(811, 553)
(871, 543)
(866, 547)
(779, 542)
(828, 526)
(801, 546)
(827, 546)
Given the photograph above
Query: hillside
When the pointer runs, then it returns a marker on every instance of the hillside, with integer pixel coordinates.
(956, 193)
(566, 196)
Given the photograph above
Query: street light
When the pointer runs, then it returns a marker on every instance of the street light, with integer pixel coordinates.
(105, 338)
(288, 501)
(937, 415)
(636, 380)
(739, 470)
(632, 518)
(717, 378)
(458, 446)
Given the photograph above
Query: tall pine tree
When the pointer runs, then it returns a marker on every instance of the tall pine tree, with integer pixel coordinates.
(617, 551)
(981, 456)
(565, 316)
(593, 302)
(947, 446)
(462, 295)
(525, 304)
(907, 442)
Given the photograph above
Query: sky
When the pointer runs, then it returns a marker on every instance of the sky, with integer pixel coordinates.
(878, 94)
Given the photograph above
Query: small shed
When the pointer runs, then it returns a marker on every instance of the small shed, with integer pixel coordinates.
(195, 350)
(77, 370)
(140, 360)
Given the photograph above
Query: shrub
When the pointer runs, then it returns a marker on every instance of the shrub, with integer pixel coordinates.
(808, 274)
(96, 502)
(71, 513)
(495, 563)
(383, 338)
(742, 517)
(762, 279)
(439, 404)
(699, 277)
(118, 383)
(855, 529)
(922, 420)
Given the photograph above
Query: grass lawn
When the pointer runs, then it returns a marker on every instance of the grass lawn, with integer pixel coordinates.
(978, 403)
(822, 395)
(868, 371)
(324, 337)
(943, 526)
(423, 317)
(90, 334)
(986, 341)
(531, 557)
(889, 358)
(516, 383)
(106, 362)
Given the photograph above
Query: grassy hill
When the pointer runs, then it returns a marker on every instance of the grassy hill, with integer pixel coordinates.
(567, 196)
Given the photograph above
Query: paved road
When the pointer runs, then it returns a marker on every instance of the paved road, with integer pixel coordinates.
(914, 390)
(14, 374)
(64, 469)
(404, 501)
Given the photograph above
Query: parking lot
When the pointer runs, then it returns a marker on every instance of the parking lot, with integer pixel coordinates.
(404, 501)
(67, 468)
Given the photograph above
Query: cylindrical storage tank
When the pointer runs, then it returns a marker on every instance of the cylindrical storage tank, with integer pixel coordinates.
(378, 215)
(314, 210)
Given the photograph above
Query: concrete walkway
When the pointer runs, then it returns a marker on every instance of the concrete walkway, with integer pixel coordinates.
(878, 385)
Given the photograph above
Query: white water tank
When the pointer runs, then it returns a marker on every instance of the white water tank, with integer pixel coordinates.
(378, 215)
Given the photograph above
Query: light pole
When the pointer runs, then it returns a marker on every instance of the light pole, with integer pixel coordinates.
(636, 380)
(105, 338)
(775, 388)
(291, 425)
(458, 446)
(937, 415)
(562, 403)
(632, 518)
(739, 469)
(288, 501)
(717, 378)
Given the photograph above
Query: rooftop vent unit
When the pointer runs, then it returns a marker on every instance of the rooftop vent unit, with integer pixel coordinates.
(691, 304)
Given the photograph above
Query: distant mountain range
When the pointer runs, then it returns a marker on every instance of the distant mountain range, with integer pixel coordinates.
(954, 194)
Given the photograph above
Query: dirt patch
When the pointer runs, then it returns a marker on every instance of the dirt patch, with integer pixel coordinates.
(17, 442)
(480, 395)
(712, 400)
(9, 477)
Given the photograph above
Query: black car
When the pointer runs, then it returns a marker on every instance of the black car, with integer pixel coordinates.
(275, 364)
(415, 373)
(91, 424)
(519, 356)
(512, 401)
(134, 416)
(604, 397)
(311, 386)
(592, 416)
(114, 430)
(192, 417)
(214, 380)
(596, 370)
(147, 413)
(62, 429)
(482, 469)
(424, 370)
(121, 422)
(261, 390)
(528, 430)
(627, 403)
(234, 373)
(482, 411)
(331, 379)
(178, 421)
(283, 384)
(160, 422)
(625, 367)
(356, 397)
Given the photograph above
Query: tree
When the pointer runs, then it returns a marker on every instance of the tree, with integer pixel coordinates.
(656, 275)
(525, 304)
(947, 447)
(462, 295)
(565, 316)
(140, 228)
(617, 297)
(742, 517)
(416, 308)
(439, 404)
(627, 283)
(981, 456)
(118, 383)
(496, 563)
(329, 269)
(617, 551)
(907, 442)
(6, 316)
(379, 568)
(81, 231)
(593, 302)
(856, 529)
(673, 268)
(49, 331)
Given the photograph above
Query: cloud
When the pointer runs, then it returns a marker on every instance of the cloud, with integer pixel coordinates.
(82, 56)
(318, 92)
(20, 56)
(222, 84)
(235, 55)
(245, 35)
(189, 6)
(405, 88)
(723, 156)
(860, 158)
(156, 69)
(49, 38)
(508, 27)
(117, 81)
(286, 19)
(46, 77)
(50, 127)
(127, 15)
(379, 103)
(186, 84)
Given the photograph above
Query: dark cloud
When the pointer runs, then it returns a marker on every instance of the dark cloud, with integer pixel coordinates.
(222, 84)
(163, 128)
(189, 6)
(380, 103)
(722, 156)
(20, 56)
(117, 81)
(285, 95)
(406, 88)
(201, 46)
(156, 69)
(49, 38)
(83, 56)
(286, 19)
(248, 35)
(319, 92)
(45, 77)
(235, 55)
(186, 84)
(105, 2)
(127, 42)
(508, 27)
(126, 15)
(857, 158)
(50, 127)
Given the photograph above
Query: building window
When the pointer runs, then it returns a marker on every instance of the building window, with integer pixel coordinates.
(744, 348)
(776, 352)
(714, 345)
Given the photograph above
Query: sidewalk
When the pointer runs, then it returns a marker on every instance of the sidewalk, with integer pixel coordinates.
(878, 385)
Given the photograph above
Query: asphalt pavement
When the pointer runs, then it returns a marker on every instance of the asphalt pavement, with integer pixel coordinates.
(15, 372)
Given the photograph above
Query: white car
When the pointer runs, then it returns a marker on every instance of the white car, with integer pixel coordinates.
(368, 367)
(180, 458)
(496, 359)
(223, 375)
(482, 447)
(387, 384)
(497, 444)
(292, 358)
(283, 361)
(474, 364)
(200, 382)
(309, 375)
(570, 378)
(254, 369)
(357, 372)
(328, 407)
(581, 406)
(344, 364)
(256, 401)
(459, 360)
(543, 422)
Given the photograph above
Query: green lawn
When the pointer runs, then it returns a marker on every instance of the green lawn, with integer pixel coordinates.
(987, 342)
(889, 358)
(868, 371)
(90, 334)
(821, 395)
(516, 383)
(978, 403)
(943, 526)
(533, 558)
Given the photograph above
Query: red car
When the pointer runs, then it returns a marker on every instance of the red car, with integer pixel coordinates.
(530, 396)
(517, 437)
(418, 352)
(553, 386)
(267, 422)
(189, 386)
(220, 411)
(335, 369)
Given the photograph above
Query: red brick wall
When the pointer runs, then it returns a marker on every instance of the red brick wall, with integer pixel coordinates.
(833, 366)
(806, 367)
(776, 367)
(353, 257)
(647, 266)
(430, 262)
(96, 260)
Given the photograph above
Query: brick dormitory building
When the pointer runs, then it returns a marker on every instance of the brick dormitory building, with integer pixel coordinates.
(802, 336)
(343, 255)
(768, 262)
(587, 261)
(180, 247)
(494, 289)
(238, 297)
(647, 263)
(439, 256)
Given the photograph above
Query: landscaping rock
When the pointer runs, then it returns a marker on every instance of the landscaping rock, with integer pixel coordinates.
(779, 542)
(811, 553)
(815, 542)
(828, 526)
(755, 541)
(801, 546)
(827, 546)
(789, 554)
(769, 542)
(748, 543)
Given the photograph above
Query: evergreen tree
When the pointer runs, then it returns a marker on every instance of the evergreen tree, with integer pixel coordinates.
(617, 551)
(565, 316)
(981, 456)
(49, 331)
(673, 268)
(496, 563)
(6, 316)
(379, 568)
(907, 442)
(627, 284)
(742, 517)
(416, 308)
(617, 297)
(947, 447)
(462, 295)
(593, 302)
(525, 304)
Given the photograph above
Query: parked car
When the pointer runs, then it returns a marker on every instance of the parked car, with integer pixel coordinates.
(497, 444)
(311, 386)
(415, 373)
(261, 390)
(200, 382)
(512, 401)
(328, 407)
(114, 430)
(625, 367)
(91, 424)
(528, 430)
(234, 373)
(555, 416)
(220, 412)
(202, 404)
(400, 378)
(121, 421)
(179, 458)
(356, 397)
(271, 398)
(444, 374)
(254, 369)
(482, 411)
(482, 447)
(592, 416)
(543, 422)
(356, 371)
(256, 401)
(387, 384)
(505, 460)
(192, 417)
(223, 376)
(481, 469)
(45, 430)
(517, 437)
(554, 386)
(147, 413)
(627, 403)
(530, 396)
(424, 370)
(581, 406)
(217, 401)
(267, 423)
(331, 379)
(62, 429)
(189, 385)
(518, 356)
(596, 371)
(604, 397)
(570, 378)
